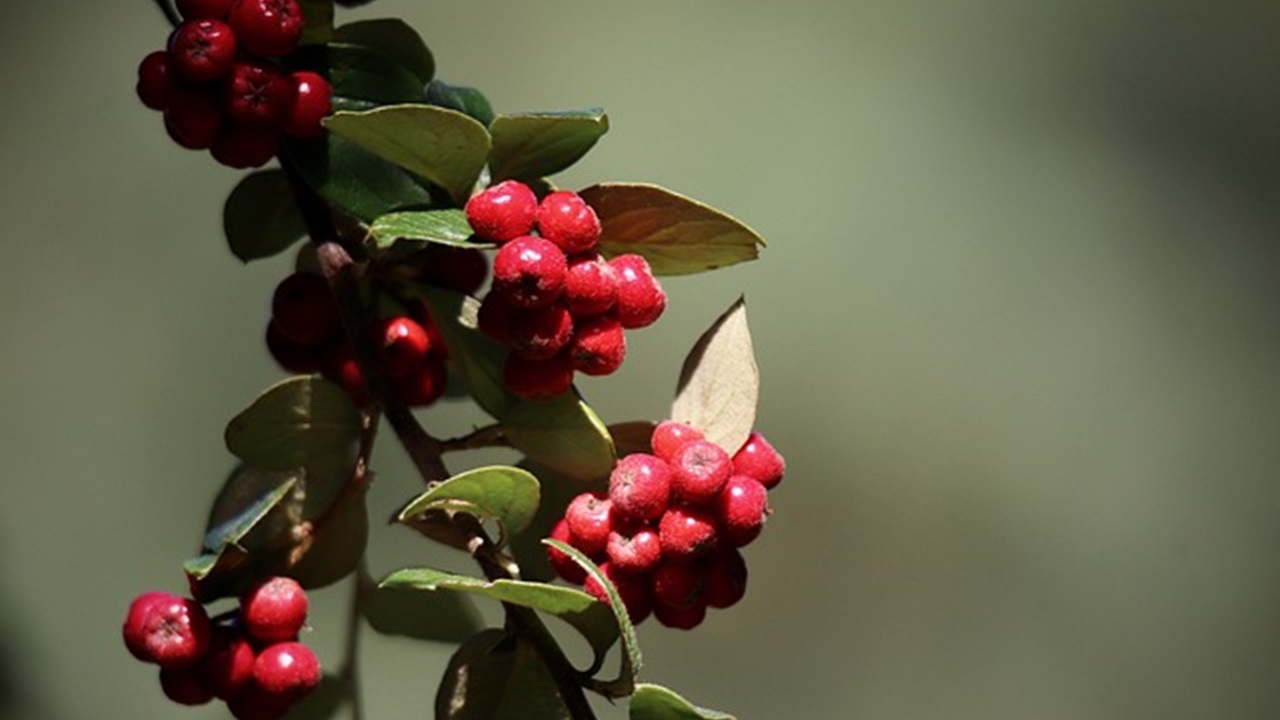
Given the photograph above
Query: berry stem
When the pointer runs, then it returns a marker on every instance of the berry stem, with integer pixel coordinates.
(489, 436)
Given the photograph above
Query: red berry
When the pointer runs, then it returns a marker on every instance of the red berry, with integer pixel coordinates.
(633, 590)
(204, 9)
(529, 272)
(538, 379)
(726, 578)
(405, 345)
(640, 296)
(669, 435)
(256, 93)
(185, 686)
(155, 80)
(494, 317)
(293, 357)
(274, 610)
(202, 50)
(425, 384)
(564, 565)
(192, 117)
(228, 667)
(455, 268)
(502, 212)
(567, 220)
(175, 632)
(312, 102)
(267, 28)
(742, 508)
(256, 704)
(590, 286)
(680, 618)
(590, 522)
(339, 366)
(758, 460)
(687, 532)
(699, 470)
(640, 487)
(242, 146)
(599, 346)
(634, 550)
(304, 310)
(135, 634)
(540, 333)
(286, 671)
(680, 585)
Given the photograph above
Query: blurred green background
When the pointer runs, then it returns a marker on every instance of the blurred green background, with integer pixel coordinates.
(1017, 325)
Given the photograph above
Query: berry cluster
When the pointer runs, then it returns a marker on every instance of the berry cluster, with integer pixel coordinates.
(555, 301)
(251, 658)
(218, 88)
(669, 530)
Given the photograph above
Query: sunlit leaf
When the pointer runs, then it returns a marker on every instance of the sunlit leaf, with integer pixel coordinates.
(508, 495)
(564, 434)
(446, 226)
(654, 702)
(719, 382)
(295, 423)
(394, 38)
(529, 146)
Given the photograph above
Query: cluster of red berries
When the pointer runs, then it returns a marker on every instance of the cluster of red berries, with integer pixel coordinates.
(555, 301)
(250, 658)
(669, 531)
(218, 88)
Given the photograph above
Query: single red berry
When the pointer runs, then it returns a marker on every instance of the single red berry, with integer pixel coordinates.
(304, 310)
(634, 549)
(640, 296)
(494, 317)
(540, 333)
(567, 220)
(633, 590)
(590, 522)
(538, 379)
(669, 435)
(274, 610)
(228, 666)
(202, 50)
(758, 460)
(590, 285)
(256, 93)
(339, 366)
(599, 346)
(678, 584)
(312, 102)
(286, 670)
(256, 704)
(454, 268)
(529, 272)
(192, 117)
(242, 146)
(267, 28)
(155, 80)
(680, 618)
(564, 566)
(502, 212)
(726, 578)
(185, 686)
(293, 357)
(699, 470)
(640, 487)
(687, 532)
(742, 508)
(204, 9)
(135, 633)
(176, 632)
(425, 384)
(405, 345)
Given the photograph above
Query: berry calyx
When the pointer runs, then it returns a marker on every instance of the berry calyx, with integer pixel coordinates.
(312, 102)
(202, 50)
(274, 610)
(687, 532)
(286, 671)
(759, 460)
(670, 435)
(599, 346)
(538, 379)
(641, 299)
(700, 469)
(529, 272)
(267, 28)
(640, 487)
(155, 80)
(590, 286)
(567, 220)
(502, 212)
(257, 93)
(590, 521)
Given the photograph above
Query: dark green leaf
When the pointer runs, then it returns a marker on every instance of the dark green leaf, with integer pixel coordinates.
(446, 617)
(444, 146)
(466, 100)
(251, 514)
(445, 227)
(563, 434)
(260, 218)
(302, 421)
(676, 234)
(322, 703)
(496, 676)
(533, 145)
(506, 494)
(632, 437)
(654, 702)
(333, 550)
(355, 181)
(719, 382)
(395, 39)
(243, 519)
(319, 27)
(362, 77)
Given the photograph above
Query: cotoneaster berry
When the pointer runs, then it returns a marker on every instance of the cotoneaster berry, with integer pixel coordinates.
(229, 663)
(286, 671)
(699, 470)
(274, 610)
(687, 532)
(599, 346)
(312, 102)
(202, 51)
(633, 590)
(759, 460)
(726, 578)
(192, 118)
(567, 220)
(502, 212)
(454, 268)
(640, 487)
(243, 146)
(529, 272)
(256, 93)
(293, 357)
(175, 632)
(494, 317)
(538, 379)
(641, 299)
(590, 286)
(424, 384)
(134, 630)
(540, 333)
(267, 28)
(185, 686)
(561, 563)
(155, 80)
(680, 618)
(590, 522)
(204, 9)
(742, 508)
(304, 310)
(339, 365)
(405, 344)
(634, 549)
(670, 435)
(678, 584)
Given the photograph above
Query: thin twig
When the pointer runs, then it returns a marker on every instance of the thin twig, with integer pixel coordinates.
(489, 436)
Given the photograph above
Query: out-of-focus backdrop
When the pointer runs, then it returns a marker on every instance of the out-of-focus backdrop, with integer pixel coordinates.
(1017, 324)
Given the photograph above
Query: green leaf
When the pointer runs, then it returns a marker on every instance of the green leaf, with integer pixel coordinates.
(631, 660)
(252, 512)
(496, 676)
(260, 218)
(362, 77)
(353, 180)
(529, 146)
(233, 529)
(506, 494)
(395, 39)
(443, 146)
(719, 382)
(446, 617)
(654, 702)
(563, 434)
(676, 234)
(332, 550)
(444, 227)
(466, 100)
(319, 27)
(297, 422)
